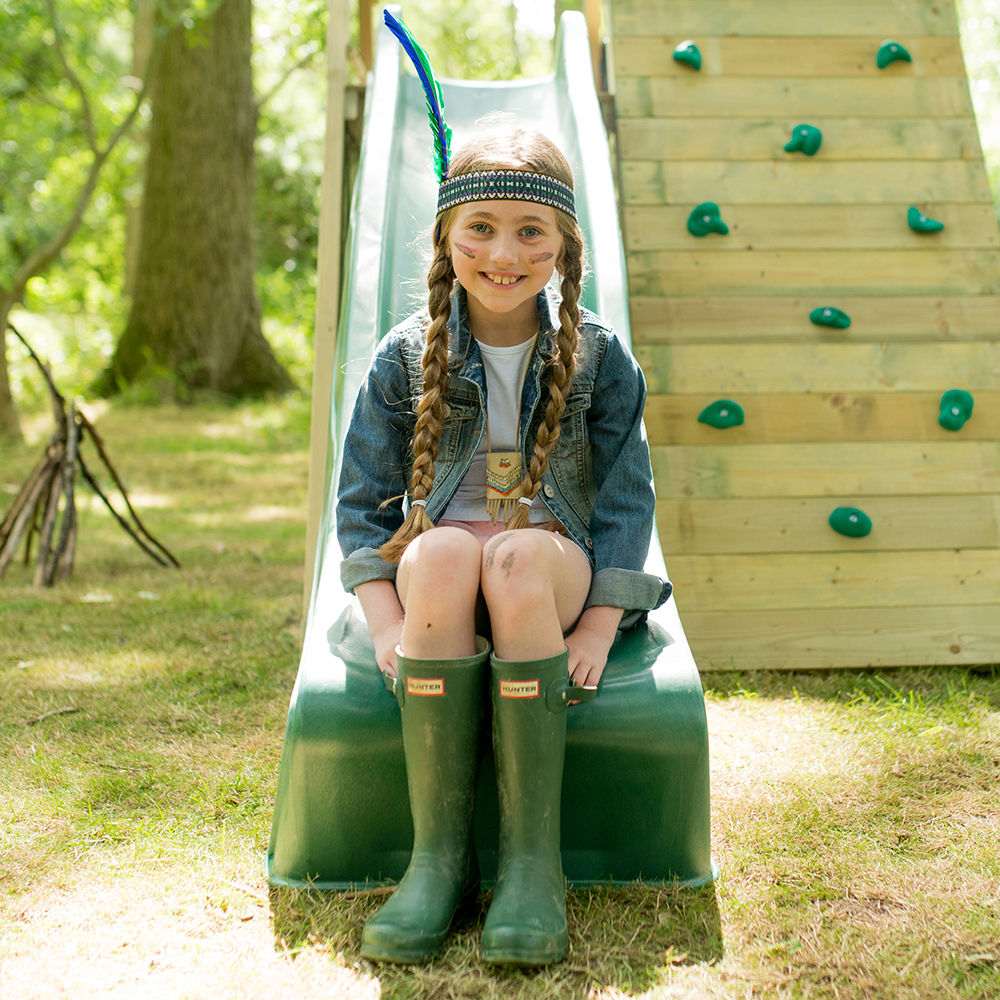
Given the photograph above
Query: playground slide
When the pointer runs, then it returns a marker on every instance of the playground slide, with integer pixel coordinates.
(385, 262)
(341, 813)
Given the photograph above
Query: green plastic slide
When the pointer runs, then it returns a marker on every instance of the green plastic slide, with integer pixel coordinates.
(635, 790)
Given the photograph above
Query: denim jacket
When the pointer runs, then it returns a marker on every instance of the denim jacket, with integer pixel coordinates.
(598, 485)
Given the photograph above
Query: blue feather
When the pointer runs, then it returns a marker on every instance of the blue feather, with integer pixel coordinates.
(432, 93)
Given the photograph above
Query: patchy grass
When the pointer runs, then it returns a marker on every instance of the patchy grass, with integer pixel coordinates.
(856, 815)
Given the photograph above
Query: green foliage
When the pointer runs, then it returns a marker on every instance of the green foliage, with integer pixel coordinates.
(467, 39)
(979, 25)
(44, 153)
(289, 157)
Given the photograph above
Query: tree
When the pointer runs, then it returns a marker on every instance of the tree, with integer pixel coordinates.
(63, 87)
(195, 312)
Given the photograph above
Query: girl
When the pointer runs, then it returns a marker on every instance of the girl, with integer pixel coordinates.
(499, 373)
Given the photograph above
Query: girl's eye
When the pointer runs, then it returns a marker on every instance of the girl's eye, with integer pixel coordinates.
(531, 232)
(480, 227)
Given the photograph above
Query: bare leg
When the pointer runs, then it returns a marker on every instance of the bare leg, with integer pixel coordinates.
(437, 583)
(535, 584)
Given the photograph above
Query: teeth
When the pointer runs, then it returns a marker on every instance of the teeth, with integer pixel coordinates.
(498, 280)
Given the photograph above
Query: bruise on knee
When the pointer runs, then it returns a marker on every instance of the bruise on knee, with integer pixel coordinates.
(507, 565)
(491, 551)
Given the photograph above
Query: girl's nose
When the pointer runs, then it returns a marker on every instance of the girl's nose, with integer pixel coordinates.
(504, 250)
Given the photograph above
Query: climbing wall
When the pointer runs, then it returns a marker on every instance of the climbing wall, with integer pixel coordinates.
(835, 418)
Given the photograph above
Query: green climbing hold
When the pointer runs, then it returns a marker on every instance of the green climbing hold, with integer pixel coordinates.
(891, 51)
(705, 219)
(919, 222)
(828, 316)
(851, 522)
(805, 139)
(722, 413)
(687, 52)
(956, 408)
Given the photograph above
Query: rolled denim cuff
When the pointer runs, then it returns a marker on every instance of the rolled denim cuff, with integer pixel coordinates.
(363, 565)
(630, 589)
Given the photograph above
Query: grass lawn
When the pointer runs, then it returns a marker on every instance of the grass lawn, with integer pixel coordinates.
(856, 815)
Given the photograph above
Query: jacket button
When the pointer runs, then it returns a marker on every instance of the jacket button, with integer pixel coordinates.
(590, 543)
(549, 492)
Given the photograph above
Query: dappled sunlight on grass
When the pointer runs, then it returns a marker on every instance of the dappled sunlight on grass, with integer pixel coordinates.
(273, 514)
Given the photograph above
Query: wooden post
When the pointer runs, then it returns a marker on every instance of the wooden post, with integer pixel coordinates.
(338, 36)
(365, 33)
(592, 13)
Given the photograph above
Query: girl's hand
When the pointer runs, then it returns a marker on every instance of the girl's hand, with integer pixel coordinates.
(385, 643)
(384, 615)
(590, 642)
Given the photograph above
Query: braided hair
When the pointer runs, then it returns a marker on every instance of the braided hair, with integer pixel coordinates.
(510, 147)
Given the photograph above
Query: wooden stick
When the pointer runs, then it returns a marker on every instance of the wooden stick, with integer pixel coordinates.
(107, 503)
(69, 509)
(99, 444)
(64, 564)
(26, 514)
(48, 524)
(38, 361)
(22, 498)
(68, 710)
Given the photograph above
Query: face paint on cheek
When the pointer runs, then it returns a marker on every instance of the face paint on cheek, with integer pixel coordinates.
(464, 250)
(541, 258)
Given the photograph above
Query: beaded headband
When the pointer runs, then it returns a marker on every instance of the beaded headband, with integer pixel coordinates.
(511, 185)
(485, 185)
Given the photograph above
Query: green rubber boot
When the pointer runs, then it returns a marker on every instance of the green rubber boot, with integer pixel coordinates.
(442, 704)
(526, 924)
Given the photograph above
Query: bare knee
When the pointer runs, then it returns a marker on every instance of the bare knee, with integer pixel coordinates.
(443, 558)
(515, 567)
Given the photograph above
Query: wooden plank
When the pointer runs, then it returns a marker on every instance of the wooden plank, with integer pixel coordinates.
(765, 138)
(837, 18)
(813, 227)
(785, 57)
(328, 287)
(832, 368)
(658, 320)
(814, 272)
(787, 580)
(689, 527)
(804, 182)
(803, 417)
(761, 97)
(842, 637)
(837, 471)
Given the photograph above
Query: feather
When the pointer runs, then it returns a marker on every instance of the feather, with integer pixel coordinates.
(432, 93)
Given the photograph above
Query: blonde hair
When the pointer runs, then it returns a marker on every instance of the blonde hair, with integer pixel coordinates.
(510, 147)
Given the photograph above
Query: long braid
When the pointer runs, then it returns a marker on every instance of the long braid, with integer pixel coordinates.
(561, 367)
(505, 148)
(431, 408)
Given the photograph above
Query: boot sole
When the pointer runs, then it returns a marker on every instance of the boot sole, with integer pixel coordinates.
(507, 956)
(400, 956)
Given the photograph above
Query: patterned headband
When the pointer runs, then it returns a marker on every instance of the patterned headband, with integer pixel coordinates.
(512, 185)
(486, 185)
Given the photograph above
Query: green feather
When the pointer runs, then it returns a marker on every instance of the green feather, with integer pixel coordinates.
(432, 93)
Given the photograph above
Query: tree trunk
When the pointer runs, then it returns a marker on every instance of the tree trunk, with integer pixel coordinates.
(142, 49)
(195, 310)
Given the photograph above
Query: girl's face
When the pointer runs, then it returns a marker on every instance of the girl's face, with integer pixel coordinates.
(504, 253)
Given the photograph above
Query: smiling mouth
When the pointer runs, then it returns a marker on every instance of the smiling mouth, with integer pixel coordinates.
(498, 279)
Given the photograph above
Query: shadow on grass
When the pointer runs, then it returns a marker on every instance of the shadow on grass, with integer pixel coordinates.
(626, 938)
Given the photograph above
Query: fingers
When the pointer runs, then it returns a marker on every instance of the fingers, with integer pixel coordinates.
(585, 672)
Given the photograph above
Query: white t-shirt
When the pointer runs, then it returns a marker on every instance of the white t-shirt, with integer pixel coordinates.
(505, 369)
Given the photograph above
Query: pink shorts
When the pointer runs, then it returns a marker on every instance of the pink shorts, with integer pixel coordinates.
(483, 530)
